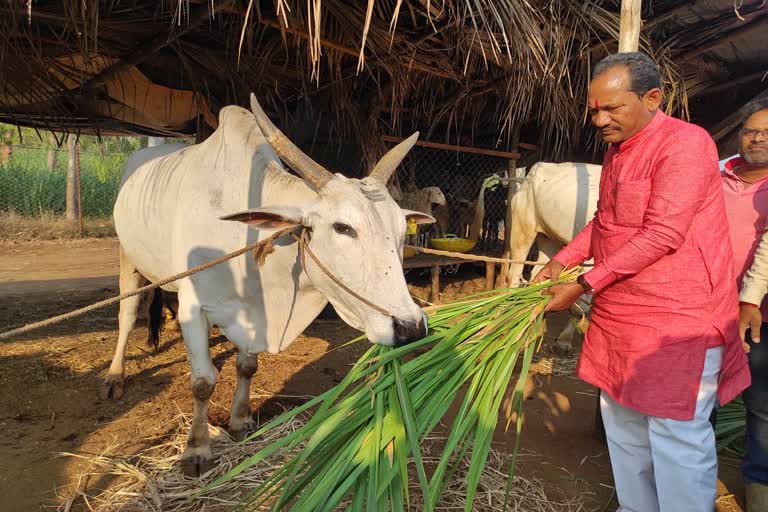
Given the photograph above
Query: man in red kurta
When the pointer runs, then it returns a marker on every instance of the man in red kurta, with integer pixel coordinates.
(663, 343)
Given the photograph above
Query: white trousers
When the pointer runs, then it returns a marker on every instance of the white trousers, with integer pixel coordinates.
(664, 465)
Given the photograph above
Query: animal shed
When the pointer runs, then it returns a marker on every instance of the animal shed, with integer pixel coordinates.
(341, 77)
(456, 72)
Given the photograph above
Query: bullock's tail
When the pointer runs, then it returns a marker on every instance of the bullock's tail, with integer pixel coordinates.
(156, 319)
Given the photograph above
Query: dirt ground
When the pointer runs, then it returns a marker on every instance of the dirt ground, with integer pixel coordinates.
(50, 381)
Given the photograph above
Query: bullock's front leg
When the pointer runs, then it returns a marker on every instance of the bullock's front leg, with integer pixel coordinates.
(241, 424)
(197, 458)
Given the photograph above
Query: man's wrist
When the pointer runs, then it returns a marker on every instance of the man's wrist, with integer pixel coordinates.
(742, 303)
(584, 284)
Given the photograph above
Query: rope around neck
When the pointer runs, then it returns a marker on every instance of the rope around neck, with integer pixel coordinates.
(304, 248)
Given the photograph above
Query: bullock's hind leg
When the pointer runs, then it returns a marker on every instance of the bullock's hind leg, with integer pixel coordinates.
(195, 329)
(241, 424)
(130, 279)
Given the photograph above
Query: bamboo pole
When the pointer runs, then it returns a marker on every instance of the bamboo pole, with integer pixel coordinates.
(629, 35)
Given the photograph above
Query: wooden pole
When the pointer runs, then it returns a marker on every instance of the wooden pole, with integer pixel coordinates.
(434, 294)
(756, 26)
(490, 275)
(735, 82)
(71, 204)
(464, 149)
(512, 188)
(730, 123)
(79, 190)
(629, 35)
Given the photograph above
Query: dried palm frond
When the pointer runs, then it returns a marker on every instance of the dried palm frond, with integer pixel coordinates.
(373, 66)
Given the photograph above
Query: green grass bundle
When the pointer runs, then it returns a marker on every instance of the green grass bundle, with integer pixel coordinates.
(731, 428)
(365, 434)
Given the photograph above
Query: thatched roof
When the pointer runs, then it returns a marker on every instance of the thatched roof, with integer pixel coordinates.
(463, 72)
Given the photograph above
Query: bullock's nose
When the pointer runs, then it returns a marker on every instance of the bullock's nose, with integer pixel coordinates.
(409, 331)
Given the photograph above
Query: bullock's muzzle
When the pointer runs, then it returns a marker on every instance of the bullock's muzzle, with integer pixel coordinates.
(408, 331)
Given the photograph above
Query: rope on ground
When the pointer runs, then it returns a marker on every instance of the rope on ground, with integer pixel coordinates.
(475, 257)
(260, 251)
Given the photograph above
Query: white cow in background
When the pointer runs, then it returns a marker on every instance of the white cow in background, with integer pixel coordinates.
(550, 207)
(174, 211)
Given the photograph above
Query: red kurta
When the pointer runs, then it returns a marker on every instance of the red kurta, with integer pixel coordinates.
(664, 281)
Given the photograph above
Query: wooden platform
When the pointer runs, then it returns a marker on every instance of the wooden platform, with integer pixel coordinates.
(434, 263)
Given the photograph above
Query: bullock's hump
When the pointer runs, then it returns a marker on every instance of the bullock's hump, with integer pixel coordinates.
(233, 114)
(238, 126)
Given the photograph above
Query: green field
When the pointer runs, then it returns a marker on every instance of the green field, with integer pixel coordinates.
(29, 188)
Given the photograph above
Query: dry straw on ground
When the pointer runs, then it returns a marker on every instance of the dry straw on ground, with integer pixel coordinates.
(18, 228)
(150, 480)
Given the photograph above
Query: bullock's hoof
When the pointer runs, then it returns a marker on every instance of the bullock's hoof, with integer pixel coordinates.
(196, 465)
(245, 429)
(112, 387)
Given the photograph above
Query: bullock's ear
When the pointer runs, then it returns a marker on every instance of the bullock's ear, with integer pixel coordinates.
(418, 217)
(276, 217)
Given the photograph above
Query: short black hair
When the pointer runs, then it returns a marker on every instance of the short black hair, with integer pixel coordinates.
(643, 73)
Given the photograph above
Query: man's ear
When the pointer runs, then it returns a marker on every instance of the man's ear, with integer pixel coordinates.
(418, 217)
(275, 217)
(653, 99)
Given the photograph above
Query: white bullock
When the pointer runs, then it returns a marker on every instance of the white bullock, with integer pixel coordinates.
(553, 203)
(174, 212)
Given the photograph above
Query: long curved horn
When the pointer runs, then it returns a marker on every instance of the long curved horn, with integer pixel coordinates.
(389, 162)
(314, 173)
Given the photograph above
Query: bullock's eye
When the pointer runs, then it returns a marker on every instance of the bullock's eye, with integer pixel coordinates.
(344, 229)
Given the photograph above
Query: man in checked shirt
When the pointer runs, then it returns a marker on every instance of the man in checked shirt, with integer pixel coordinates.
(663, 343)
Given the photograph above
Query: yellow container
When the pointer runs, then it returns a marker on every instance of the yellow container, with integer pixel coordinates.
(453, 244)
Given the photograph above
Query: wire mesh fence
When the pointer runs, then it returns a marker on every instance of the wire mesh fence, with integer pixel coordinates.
(446, 184)
(458, 190)
(33, 182)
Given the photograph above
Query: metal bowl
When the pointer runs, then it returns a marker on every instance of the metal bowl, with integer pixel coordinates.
(453, 244)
